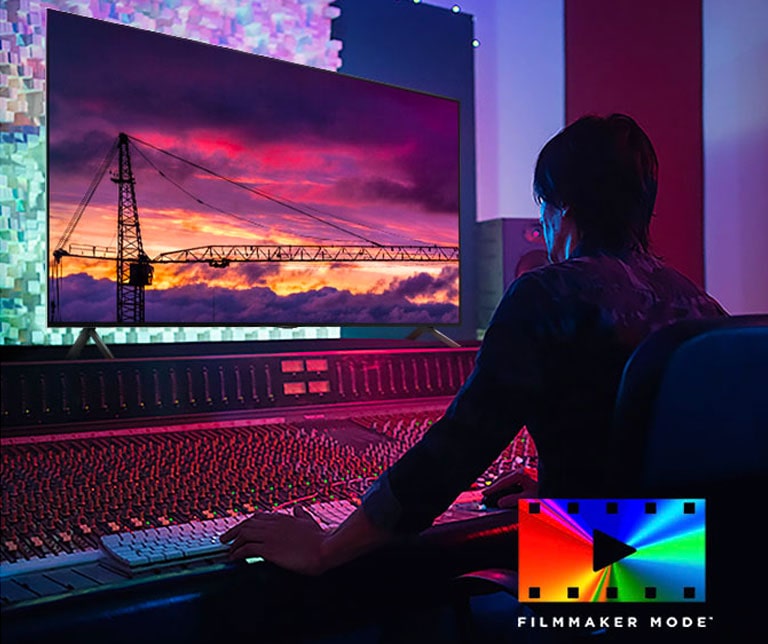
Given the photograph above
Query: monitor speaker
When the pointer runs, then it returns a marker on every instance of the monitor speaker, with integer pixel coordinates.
(506, 248)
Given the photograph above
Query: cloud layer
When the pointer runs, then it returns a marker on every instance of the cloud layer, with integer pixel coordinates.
(87, 301)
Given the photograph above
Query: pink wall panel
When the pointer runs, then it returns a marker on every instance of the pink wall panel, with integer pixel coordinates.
(644, 59)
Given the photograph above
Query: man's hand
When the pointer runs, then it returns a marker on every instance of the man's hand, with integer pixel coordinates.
(291, 542)
(512, 487)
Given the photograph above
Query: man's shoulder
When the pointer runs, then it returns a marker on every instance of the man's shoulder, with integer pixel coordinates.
(601, 280)
(600, 268)
(575, 273)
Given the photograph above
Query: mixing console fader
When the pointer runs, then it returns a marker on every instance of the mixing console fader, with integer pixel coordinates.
(47, 394)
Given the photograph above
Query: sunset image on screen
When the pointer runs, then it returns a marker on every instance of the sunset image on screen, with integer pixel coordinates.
(238, 189)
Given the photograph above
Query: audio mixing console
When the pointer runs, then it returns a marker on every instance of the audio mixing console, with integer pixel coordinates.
(99, 453)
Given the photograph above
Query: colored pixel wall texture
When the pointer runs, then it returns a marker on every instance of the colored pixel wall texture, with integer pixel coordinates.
(295, 30)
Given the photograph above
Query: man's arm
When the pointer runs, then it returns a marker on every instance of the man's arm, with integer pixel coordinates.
(485, 415)
(499, 396)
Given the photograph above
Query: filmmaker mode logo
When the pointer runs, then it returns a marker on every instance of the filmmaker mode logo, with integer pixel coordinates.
(609, 550)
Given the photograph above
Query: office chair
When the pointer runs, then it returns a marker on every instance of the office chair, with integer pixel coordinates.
(688, 392)
(691, 420)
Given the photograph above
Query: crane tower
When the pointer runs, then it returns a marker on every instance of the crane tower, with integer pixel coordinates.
(134, 270)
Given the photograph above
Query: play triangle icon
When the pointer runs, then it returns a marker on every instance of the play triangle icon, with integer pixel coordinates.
(606, 550)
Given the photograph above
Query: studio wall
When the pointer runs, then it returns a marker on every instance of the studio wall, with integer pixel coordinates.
(736, 153)
(519, 96)
(644, 59)
(711, 220)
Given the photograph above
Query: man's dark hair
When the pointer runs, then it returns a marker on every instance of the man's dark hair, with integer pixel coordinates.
(605, 169)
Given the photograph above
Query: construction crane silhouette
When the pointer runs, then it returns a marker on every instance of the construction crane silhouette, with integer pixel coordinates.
(135, 269)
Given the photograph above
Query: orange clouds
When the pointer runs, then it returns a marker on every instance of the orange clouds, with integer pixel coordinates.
(291, 278)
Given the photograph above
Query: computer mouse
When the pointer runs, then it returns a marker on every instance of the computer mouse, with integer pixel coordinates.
(491, 500)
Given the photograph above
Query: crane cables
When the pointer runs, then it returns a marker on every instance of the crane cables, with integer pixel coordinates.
(85, 200)
(258, 192)
(194, 197)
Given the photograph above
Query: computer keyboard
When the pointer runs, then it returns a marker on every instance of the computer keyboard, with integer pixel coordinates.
(167, 546)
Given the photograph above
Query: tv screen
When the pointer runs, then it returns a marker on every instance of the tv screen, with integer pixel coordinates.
(190, 184)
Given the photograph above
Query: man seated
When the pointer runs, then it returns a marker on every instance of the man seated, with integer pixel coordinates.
(551, 359)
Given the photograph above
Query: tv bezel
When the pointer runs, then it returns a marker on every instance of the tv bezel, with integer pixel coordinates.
(213, 324)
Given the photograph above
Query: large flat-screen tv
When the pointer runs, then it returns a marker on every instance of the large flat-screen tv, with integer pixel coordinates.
(190, 184)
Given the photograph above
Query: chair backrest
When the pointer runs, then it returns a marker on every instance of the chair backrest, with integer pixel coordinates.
(692, 408)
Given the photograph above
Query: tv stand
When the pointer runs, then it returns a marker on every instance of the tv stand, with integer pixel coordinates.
(421, 330)
(88, 333)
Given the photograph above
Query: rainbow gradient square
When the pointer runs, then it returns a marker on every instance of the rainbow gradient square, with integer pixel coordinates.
(612, 550)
